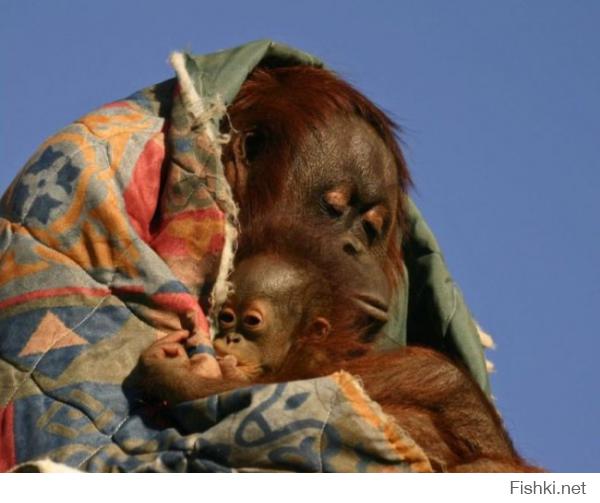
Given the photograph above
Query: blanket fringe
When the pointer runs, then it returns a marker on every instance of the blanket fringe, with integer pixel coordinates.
(202, 114)
(487, 341)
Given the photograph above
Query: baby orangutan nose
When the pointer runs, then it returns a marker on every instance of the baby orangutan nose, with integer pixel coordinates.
(233, 338)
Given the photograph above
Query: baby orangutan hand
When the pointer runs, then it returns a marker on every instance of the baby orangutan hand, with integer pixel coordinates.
(167, 373)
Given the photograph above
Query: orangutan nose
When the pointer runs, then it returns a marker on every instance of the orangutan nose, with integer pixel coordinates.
(233, 338)
(352, 246)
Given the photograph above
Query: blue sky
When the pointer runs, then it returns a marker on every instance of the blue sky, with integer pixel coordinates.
(500, 102)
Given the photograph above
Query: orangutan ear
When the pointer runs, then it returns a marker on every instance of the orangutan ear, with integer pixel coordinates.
(238, 147)
(247, 146)
(236, 165)
(319, 328)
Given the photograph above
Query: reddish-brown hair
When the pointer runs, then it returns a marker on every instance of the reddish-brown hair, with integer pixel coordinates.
(288, 103)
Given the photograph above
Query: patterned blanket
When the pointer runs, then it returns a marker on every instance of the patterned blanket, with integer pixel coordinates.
(110, 234)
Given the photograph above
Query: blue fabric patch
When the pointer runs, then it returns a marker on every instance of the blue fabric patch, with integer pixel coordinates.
(45, 161)
(55, 425)
(67, 175)
(201, 349)
(42, 207)
(295, 401)
(172, 287)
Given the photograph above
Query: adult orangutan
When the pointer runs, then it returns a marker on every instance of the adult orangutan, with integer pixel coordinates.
(295, 314)
(307, 143)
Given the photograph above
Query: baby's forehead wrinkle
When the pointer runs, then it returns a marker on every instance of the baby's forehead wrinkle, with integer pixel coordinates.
(270, 280)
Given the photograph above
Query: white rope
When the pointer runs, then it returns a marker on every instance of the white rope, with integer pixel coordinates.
(202, 115)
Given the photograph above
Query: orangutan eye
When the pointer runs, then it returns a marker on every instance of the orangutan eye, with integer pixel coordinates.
(336, 202)
(227, 317)
(374, 222)
(253, 320)
(331, 211)
(370, 231)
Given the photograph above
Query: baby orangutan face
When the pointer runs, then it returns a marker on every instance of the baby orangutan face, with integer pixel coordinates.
(273, 305)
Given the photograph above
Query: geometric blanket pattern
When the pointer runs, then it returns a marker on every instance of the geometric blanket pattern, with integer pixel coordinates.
(114, 234)
(108, 237)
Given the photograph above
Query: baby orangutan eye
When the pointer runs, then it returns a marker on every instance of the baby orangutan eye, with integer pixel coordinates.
(227, 318)
(252, 320)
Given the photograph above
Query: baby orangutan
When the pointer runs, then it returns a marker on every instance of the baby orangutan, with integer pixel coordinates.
(293, 317)
(287, 301)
